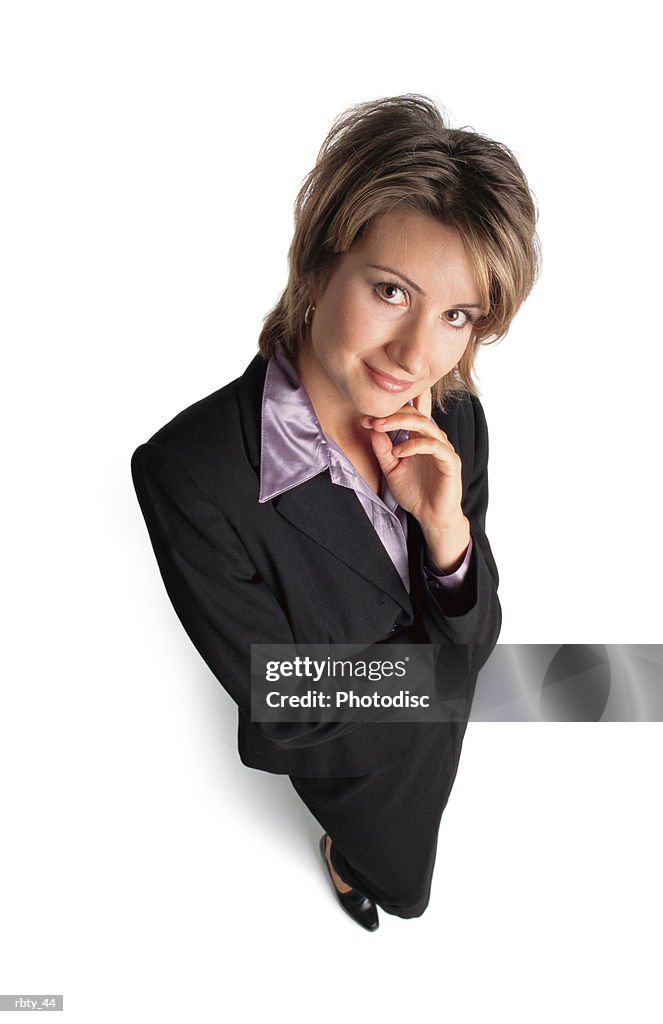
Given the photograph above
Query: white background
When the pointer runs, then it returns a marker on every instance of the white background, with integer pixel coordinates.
(151, 156)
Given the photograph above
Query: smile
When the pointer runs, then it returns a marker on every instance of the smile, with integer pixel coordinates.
(387, 382)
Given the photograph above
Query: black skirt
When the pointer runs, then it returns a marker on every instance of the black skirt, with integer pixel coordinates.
(384, 825)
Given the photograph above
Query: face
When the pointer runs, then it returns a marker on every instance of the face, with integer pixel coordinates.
(395, 316)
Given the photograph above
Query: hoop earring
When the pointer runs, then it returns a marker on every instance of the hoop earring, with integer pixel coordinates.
(309, 309)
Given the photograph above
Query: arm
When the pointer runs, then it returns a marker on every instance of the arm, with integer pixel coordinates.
(214, 588)
(471, 613)
(447, 580)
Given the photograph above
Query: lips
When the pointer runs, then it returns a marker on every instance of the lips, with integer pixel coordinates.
(386, 381)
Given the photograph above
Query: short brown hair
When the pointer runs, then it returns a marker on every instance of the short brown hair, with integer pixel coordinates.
(399, 150)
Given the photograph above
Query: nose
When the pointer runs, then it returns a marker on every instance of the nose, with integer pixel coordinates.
(410, 348)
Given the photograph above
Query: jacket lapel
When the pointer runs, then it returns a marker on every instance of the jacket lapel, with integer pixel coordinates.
(329, 514)
(333, 517)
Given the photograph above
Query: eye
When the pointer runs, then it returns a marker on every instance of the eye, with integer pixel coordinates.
(385, 287)
(457, 318)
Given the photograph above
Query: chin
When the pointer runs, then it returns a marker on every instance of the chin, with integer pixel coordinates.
(387, 406)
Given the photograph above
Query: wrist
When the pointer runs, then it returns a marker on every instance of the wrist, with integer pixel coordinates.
(447, 542)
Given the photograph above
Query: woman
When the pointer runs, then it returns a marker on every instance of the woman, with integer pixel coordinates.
(336, 492)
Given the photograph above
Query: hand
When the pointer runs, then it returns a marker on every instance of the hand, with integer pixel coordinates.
(424, 476)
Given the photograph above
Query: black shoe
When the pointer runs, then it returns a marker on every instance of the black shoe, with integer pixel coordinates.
(360, 908)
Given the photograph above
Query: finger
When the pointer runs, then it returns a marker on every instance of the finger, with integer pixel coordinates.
(406, 419)
(383, 452)
(427, 446)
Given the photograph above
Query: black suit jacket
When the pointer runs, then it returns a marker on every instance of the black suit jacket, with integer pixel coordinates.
(306, 567)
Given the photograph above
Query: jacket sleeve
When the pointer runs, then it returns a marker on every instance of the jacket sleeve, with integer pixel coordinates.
(470, 614)
(214, 588)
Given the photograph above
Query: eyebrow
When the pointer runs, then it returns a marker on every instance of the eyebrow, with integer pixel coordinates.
(418, 288)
